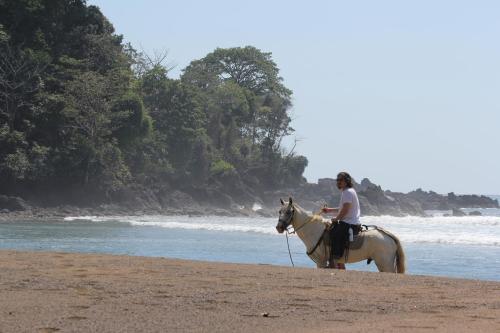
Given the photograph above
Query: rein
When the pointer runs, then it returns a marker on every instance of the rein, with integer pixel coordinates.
(288, 232)
(317, 244)
(289, 253)
(302, 226)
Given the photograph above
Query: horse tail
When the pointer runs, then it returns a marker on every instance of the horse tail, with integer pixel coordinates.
(400, 258)
(400, 253)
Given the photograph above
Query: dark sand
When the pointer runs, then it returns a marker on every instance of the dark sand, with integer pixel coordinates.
(58, 292)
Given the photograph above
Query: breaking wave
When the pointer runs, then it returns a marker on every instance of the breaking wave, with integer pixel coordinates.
(467, 230)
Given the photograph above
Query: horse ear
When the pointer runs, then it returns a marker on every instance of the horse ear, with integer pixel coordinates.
(290, 201)
(282, 202)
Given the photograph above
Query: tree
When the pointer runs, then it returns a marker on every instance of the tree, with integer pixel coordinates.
(133, 123)
(176, 112)
(248, 67)
(257, 76)
(90, 120)
(20, 79)
(273, 123)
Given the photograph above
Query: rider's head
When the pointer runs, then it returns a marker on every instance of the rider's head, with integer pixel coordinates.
(344, 176)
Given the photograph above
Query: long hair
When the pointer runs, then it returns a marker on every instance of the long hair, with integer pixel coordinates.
(346, 177)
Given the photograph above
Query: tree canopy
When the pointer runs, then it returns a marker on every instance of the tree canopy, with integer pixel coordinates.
(81, 112)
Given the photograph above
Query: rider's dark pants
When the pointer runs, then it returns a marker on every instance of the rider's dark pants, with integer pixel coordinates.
(339, 236)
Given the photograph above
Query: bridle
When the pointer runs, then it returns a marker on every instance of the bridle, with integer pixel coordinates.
(288, 222)
(286, 226)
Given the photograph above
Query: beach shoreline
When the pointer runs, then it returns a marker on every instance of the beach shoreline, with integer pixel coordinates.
(50, 292)
(59, 213)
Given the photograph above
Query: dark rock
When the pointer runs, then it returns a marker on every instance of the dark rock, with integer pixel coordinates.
(327, 184)
(430, 200)
(366, 184)
(367, 208)
(457, 212)
(13, 203)
(472, 201)
(136, 198)
(475, 213)
(177, 199)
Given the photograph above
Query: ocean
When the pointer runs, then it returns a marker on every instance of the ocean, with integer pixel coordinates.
(461, 247)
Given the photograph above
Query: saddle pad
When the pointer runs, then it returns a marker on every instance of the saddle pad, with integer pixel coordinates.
(357, 243)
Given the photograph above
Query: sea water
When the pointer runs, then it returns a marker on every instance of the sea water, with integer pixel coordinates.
(462, 247)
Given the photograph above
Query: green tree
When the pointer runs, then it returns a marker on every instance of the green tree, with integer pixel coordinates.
(176, 113)
(91, 122)
(248, 67)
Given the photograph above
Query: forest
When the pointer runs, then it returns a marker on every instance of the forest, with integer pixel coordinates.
(86, 118)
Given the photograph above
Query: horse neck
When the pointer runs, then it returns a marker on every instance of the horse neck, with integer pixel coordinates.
(309, 229)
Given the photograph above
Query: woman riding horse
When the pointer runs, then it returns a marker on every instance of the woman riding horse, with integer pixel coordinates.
(378, 244)
(348, 214)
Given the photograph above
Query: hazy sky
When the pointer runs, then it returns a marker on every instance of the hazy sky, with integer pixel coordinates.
(406, 94)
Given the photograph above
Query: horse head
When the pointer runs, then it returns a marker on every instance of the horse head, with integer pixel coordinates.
(286, 214)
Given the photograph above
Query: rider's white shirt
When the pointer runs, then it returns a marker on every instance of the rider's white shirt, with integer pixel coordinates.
(350, 196)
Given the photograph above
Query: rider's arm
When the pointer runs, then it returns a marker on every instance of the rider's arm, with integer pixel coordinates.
(343, 211)
(329, 210)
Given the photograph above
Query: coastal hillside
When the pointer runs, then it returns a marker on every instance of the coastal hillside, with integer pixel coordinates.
(87, 120)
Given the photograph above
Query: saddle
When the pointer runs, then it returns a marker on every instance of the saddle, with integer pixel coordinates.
(337, 237)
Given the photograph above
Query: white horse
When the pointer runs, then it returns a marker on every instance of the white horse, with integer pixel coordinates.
(379, 245)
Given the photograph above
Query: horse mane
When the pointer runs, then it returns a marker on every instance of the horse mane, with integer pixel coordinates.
(315, 216)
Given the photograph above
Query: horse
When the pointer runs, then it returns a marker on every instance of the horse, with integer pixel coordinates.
(379, 245)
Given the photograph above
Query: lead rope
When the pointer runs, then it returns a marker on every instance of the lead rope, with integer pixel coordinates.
(289, 253)
(292, 232)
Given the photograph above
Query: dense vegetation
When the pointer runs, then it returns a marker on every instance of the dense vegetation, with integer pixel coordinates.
(84, 116)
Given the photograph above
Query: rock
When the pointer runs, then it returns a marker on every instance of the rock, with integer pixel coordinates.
(177, 199)
(430, 200)
(366, 184)
(470, 201)
(327, 184)
(475, 213)
(13, 203)
(457, 212)
(136, 198)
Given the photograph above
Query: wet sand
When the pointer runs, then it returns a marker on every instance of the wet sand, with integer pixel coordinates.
(59, 292)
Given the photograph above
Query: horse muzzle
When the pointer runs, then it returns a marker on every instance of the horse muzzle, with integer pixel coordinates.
(280, 227)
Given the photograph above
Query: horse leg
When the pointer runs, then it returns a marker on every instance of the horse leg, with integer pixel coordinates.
(386, 264)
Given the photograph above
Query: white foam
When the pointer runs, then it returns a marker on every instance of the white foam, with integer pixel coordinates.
(467, 230)
(75, 218)
(256, 206)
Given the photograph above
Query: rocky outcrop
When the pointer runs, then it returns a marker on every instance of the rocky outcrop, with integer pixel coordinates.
(231, 196)
(457, 212)
(375, 201)
(12, 203)
(471, 201)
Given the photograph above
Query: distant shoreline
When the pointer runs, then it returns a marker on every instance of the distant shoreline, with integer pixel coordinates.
(66, 211)
(59, 213)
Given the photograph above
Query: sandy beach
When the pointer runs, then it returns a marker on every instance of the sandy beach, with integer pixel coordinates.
(59, 292)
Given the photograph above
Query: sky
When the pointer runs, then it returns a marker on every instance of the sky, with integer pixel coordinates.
(404, 93)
